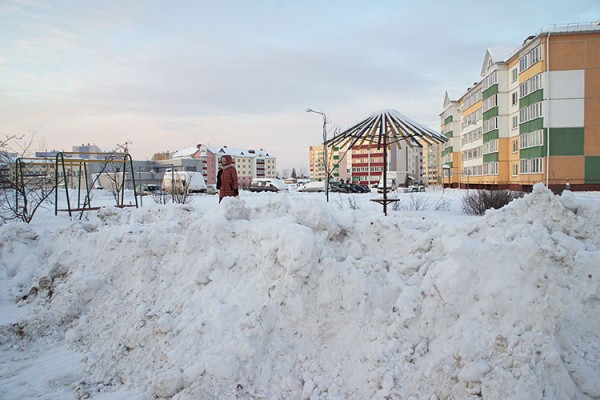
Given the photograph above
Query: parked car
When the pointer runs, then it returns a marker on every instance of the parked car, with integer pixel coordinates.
(415, 188)
(358, 188)
(183, 182)
(150, 189)
(316, 186)
(338, 187)
(267, 185)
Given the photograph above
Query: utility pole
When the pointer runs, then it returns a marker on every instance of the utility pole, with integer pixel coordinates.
(325, 158)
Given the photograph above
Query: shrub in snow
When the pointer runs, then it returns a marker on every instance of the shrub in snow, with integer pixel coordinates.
(477, 202)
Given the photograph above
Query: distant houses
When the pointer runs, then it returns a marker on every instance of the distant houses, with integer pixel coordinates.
(249, 163)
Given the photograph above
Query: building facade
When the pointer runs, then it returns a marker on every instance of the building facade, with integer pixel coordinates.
(249, 163)
(87, 151)
(531, 118)
(363, 164)
(316, 164)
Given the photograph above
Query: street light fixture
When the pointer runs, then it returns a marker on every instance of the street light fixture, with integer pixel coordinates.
(325, 164)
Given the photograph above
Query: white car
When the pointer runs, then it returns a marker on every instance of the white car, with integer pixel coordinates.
(317, 186)
(268, 185)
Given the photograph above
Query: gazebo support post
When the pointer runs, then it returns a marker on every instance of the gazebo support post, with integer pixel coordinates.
(382, 130)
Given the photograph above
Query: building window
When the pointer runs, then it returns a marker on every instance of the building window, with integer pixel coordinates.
(490, 80)
(515, 146)
(532, 57)
(515, 122)
(515, 74)
(472, 99)
(490, 147)
(472, 118)
(514, 98)
(532, 139)
(515, 170)
(531, 112)
(490, 124)
(490, 102)
(472, 153)
(472, 136)
(532, 166)
(490, 168)
(530, 85)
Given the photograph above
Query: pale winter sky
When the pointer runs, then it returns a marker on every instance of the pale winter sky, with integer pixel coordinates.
(166, 75)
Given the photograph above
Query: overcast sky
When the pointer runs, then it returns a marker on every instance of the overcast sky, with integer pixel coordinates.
(167, 75)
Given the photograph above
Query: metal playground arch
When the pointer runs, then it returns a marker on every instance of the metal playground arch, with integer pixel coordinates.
(80, 165)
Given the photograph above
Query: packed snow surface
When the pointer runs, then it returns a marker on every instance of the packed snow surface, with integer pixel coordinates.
(285, 296)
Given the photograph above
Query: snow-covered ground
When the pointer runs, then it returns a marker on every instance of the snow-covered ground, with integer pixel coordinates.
(285, 296)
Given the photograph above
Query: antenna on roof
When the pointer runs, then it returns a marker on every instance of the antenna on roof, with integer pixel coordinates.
(124, 146)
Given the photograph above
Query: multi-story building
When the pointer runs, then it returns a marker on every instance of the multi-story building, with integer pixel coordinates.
(363, 164)
(6, 160)
(531, 118)
(249, 163)
(431, 165)
(316, 165)
(87, 152)
(367, 164)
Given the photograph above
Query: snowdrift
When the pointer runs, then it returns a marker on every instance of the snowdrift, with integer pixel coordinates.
(291, 298)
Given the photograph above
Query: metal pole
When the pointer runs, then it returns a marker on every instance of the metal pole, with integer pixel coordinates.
(382, 130)
(325, 157)
(547, 92)
(325, 165)
(141, 188)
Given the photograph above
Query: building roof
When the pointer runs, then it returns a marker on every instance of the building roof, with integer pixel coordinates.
(185, 153)
(6, 159)
(570, 27)
(495, 55)
(232, 151)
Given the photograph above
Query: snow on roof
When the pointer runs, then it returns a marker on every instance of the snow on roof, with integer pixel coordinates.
(495, 55)
(234, 152)
(571, 27)
(185, 153)
(501, 53)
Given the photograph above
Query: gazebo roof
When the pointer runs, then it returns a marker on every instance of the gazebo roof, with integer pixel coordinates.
(396, 128)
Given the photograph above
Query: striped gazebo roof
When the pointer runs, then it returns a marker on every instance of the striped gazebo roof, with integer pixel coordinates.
(386, 128)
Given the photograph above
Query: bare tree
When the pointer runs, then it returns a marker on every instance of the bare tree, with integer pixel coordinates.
(302, 172)
(178, 192)
(29, 183)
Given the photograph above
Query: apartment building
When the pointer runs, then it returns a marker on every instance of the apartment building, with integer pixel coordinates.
(531, 118)
(363, 164)
(316, 164)
(432, 171)
(249, 163)
(87, 152)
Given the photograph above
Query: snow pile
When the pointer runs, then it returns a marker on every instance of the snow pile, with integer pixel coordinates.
(291, 298)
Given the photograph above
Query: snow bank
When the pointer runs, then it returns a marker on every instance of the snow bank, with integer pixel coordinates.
(291, 298)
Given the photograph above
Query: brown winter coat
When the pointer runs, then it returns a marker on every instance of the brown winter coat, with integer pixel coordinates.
(229, 180)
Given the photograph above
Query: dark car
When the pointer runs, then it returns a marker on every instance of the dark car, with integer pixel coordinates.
(359, 188)
(338, 187)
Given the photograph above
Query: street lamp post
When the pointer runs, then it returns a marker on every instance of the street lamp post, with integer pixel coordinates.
(325, 165)
(445, 170)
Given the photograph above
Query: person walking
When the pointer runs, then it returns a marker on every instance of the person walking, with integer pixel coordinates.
(228, 182)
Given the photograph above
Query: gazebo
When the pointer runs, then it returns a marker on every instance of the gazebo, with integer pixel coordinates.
(386, 128)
